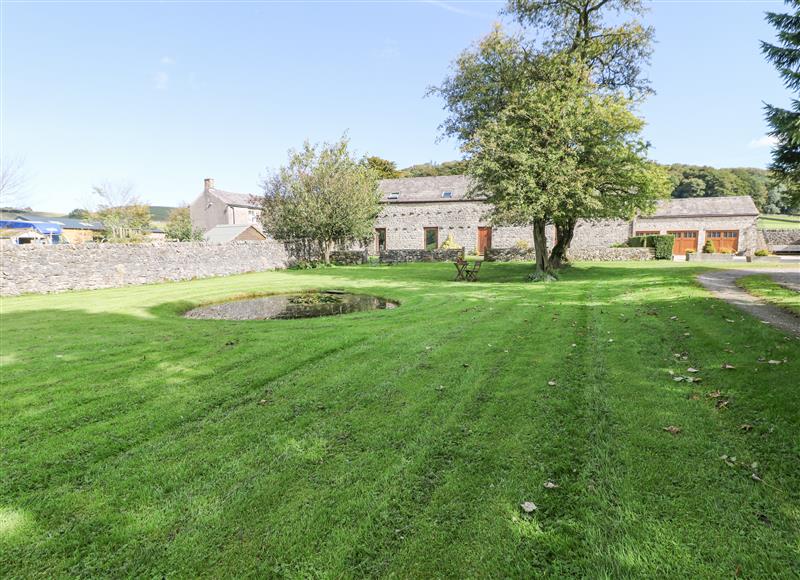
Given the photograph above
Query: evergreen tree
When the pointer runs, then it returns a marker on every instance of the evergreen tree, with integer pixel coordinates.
(785, 123)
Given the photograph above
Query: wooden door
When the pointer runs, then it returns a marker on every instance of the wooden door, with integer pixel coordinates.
(684, 240)
(724, 239)
(484, 240)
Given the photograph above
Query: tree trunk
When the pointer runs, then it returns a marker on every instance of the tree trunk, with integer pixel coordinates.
(565, 230)
(326, 252)
(544, 270)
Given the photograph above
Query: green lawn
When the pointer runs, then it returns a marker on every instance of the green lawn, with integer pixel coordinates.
(400, 442)
(764, 287)
(779, 222)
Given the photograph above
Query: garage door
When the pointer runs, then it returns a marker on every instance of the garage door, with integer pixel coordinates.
(684, 240)
(724, 239)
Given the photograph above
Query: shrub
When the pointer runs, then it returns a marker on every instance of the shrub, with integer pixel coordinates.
(690, 252)
(522, 245)
(661, 243)
(450, 243)
(708, 247)
(726, 251)
(762, 253)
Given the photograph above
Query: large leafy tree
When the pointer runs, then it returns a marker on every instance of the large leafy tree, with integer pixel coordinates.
(179, 226)
(562, 150)
(125, 217)
(499, 72)
(785, 123)
(383, 168)
(324, 195)
(614, 52)
(501, 67)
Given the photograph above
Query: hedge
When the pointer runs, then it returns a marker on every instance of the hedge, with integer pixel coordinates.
(663, 244)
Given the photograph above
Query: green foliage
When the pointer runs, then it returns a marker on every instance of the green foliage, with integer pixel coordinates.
(435, 169)
(562, 150)
(762, 252)
(662, 244)
(179, 226)
(324, 195)
(124, 216)
(80, 214)
(708, 247)
(591, 31)
(383, 168)
(704, 181)
(785, 123)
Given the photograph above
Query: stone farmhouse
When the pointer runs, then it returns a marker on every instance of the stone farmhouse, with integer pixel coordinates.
(215, 207)
(420, 213)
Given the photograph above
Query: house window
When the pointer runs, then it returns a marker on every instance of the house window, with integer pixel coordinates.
(647, 232)
(431, 238)
(380, 239)
(713, 234)
(447, 195)
(254, 216)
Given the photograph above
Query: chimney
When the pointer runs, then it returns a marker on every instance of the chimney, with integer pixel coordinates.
(208, 183)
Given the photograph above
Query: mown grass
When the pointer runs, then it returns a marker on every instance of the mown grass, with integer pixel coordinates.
(401, 442)
(779, 222)
(763, 287)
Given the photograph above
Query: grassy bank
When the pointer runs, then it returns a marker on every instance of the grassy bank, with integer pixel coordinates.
(401, 442)
(772, 292)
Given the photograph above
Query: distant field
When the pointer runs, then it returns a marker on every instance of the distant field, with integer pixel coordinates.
(160, 213)
(779, 222)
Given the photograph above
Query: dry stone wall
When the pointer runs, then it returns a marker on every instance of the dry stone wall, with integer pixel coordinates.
(39, 269)
(782, 237)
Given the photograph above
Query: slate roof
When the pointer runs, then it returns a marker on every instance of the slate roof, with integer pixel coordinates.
(741, 205)
(235, 199)
(227, 232)
(425, 189)
(64, 222)
(429, 189)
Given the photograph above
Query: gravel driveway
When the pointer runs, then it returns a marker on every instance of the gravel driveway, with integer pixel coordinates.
(722, 284)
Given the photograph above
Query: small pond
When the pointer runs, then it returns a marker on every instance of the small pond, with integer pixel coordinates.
(283, 306)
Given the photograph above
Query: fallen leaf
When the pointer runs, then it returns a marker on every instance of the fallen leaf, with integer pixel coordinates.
(746, 427)
(465, 365)
(671, 372)
(673, 318)
(728, 366)
(729, 320)
(687, 334)
(755, 477)
(773, 362)
(551, 383)
(692, 370)
(528, 507)
(714, 394)
(550, 485)
(262, 402)
(679, 379)
(694, 397)
(672, 429)
(721, 404)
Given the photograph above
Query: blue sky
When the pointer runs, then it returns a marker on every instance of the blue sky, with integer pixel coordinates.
(164, 94)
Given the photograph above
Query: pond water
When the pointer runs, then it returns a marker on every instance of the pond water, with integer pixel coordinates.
(283, 306)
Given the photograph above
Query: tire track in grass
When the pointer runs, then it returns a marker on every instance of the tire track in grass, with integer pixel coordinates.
(428, 498)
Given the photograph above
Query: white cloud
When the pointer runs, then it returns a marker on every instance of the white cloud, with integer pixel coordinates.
(767, 141)
(161, 81)
(167, 60)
